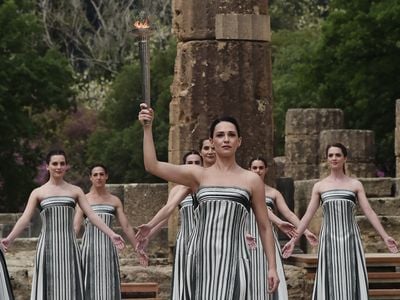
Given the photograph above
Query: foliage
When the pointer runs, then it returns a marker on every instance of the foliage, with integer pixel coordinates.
(118, 126)
(353, 66)
(33, 79)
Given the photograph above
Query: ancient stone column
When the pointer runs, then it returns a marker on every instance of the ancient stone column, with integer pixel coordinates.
(360, 145)
(302, 129)
(397, 139)
(223, 67)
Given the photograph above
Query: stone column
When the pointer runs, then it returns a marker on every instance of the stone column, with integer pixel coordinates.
(360, 146)
(397, 139)
(223, 67)
(302, 129)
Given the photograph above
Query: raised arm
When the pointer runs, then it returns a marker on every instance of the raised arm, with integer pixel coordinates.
(304, 222)
(97, 221)
(176, 195)
(23, 221)
(286, 227)
(265, 231)
(187, 175)
(391, 243)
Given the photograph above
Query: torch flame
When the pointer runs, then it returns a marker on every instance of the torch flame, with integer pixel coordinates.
(141, 25)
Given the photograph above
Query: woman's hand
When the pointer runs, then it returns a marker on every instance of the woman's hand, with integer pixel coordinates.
(146, 115)
(251, 241)
(287, 228)
(118, 241)
(287, 250)
(311, 238)
(143, 232)
(4, 244)
(391, 244)
(273, 281)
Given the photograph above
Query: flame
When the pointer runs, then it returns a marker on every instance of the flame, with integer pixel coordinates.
(141, 25)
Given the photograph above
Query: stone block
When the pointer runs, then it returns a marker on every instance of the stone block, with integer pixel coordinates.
(280, 162)
(225, 78)
(398, 113)
(312, 120)
(302, 149)
(243, 27)
(396, 186)
(397, 166)
(301, 171)
(302, 195)
(117, 190)
(378, 187)
(383, 206)
(371, 240)
(142, 201)
(397, 141)
(353, 169)
(196, 20)
(360, 144)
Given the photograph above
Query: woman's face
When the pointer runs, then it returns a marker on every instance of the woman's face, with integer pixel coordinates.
(193, 159)
(98, 177)
(258, 166)
(336, 158)
(57, 166)
(207, 152)
(226, 139)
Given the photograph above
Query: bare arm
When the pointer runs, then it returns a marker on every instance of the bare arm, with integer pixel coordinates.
(23, 221)
(265, 231)
(78, 218)
(182, 174)
(373, 218)
(304, 222)
(286, 227)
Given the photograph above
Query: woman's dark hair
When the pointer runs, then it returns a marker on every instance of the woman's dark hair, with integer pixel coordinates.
(97, 165)
(341, 147)
(201, 142)
(195, 152)
(224, 119)
(258, 158)
(55, 152)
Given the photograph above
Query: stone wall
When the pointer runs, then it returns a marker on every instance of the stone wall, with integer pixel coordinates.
(397, 139)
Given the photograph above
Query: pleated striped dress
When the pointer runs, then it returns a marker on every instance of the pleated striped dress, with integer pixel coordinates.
(58, 272)
(186, 228)
(341, 272)
(100, 258)
(218, 265)
(5, 285)
(259, 265)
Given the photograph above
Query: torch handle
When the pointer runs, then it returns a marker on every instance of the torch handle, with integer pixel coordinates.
(145, 68)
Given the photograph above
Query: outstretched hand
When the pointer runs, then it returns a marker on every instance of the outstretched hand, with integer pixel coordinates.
(4, 244)
(146, 115)
(287, 228)
(311, 238)
(287, 250)
(251, 241)
(143, 232)
(118, 241)
(391, 244)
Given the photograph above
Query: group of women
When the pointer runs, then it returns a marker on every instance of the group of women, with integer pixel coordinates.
(227, 246)
(221, 260)
(61, 272)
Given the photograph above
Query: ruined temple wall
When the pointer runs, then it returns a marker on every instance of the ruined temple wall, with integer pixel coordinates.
(397, 139)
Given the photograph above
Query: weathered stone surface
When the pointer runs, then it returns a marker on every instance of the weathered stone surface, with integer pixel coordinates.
(378, 187)
(302, 149)
(397, 141)
(353, 169)
(298, 285)
(311, 121)
(280, 163)
(398, 113)
(302, 195)
(301, 171)
(398, 166)
(142, 201)
(383, 206)
(224, 78)
(360, 144)
(195, 20)
(243, 27)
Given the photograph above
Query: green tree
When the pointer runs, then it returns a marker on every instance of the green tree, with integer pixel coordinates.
(117, 142)
(33, 79)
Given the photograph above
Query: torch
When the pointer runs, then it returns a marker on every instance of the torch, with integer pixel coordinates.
(142, 31)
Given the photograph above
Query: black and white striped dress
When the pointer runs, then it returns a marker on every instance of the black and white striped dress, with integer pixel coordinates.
(100, 258)
(259, 265)
(218, 265)
(58, 272)
(341, 272)
(186, 228)
(5, 285)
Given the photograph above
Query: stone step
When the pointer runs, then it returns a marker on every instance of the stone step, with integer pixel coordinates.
(381, 294)
(383, 206)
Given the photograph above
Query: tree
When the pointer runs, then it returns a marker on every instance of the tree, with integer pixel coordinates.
(33, 79)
